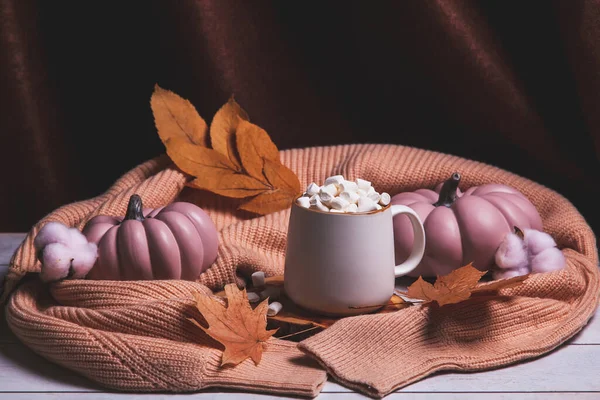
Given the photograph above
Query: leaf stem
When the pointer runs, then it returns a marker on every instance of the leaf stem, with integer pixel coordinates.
(297, 333)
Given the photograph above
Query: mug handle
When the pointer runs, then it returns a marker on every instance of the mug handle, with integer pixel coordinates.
(419, 242)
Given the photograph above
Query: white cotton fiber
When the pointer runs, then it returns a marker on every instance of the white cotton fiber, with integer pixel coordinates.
(537, 241)
(56, 261)
(511, 253)
(535, 253)
(77, 238)
(84, 259)
(64, 250)
(548, 260)
(52, 232)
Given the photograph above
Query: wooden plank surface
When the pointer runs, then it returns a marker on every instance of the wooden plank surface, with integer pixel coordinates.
(569, 372)
(8, 244)
(322, 396)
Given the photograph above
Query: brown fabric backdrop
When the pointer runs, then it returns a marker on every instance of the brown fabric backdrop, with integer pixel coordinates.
(514, 84)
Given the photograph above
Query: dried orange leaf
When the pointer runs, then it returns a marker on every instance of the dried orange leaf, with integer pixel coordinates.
(269, 202)
(501, 284)
(455, 287)
(232, 185)
(223, 130)
(212, 170)
(281, 177)
(241, 329)
(197, 160)
(175, 117)
(243, 162)
(254, 147)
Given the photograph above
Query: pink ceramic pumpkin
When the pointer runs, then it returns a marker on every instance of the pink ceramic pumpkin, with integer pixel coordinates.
(461, 227)
(178, 241)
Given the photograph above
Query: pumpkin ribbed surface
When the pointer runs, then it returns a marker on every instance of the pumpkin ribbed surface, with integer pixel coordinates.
(178, 241)
(461, 227)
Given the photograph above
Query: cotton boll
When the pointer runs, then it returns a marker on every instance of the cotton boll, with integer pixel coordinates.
(548, 260)
(52, 232)
(56, 262)
(76, 238)
(537, 241)
(509, 273)
(84, 258)
(511, 253)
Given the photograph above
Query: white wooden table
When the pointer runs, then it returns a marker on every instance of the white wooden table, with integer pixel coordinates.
(570, 372)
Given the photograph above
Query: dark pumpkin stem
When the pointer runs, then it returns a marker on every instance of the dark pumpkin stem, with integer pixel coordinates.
(448, 192)
(134, 208)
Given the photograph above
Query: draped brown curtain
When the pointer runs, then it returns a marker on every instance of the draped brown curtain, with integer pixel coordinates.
(515, 84)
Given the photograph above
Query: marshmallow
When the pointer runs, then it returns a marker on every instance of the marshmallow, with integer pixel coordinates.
(326, 198)
(339, 204)
(363, 184)
(352, 208)
(330, 189)
(274, 308)
(348, 186)
(385, 199)
(365, 204)
(374, 196)
(253, 297)
(320, 207)
(303, 202)
(350, 197)
(340, 195)
(335, 180)
(315, 203)
(312, 189)
(258, 279)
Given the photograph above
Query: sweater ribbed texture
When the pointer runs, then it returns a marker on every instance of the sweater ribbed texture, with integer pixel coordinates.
(134, 336)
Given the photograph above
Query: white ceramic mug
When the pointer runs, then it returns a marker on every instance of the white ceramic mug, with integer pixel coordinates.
(344, 263)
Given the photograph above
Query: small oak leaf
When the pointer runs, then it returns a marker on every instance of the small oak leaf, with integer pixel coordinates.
(175, 117)
(455, 287)
(223, 130)
(238, 327)
(254, 147)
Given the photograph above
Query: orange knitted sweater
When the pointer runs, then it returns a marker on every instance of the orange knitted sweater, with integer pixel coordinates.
(135, 336)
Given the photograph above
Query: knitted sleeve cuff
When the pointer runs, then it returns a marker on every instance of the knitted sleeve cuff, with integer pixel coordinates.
(283, 369)
(368, 354)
